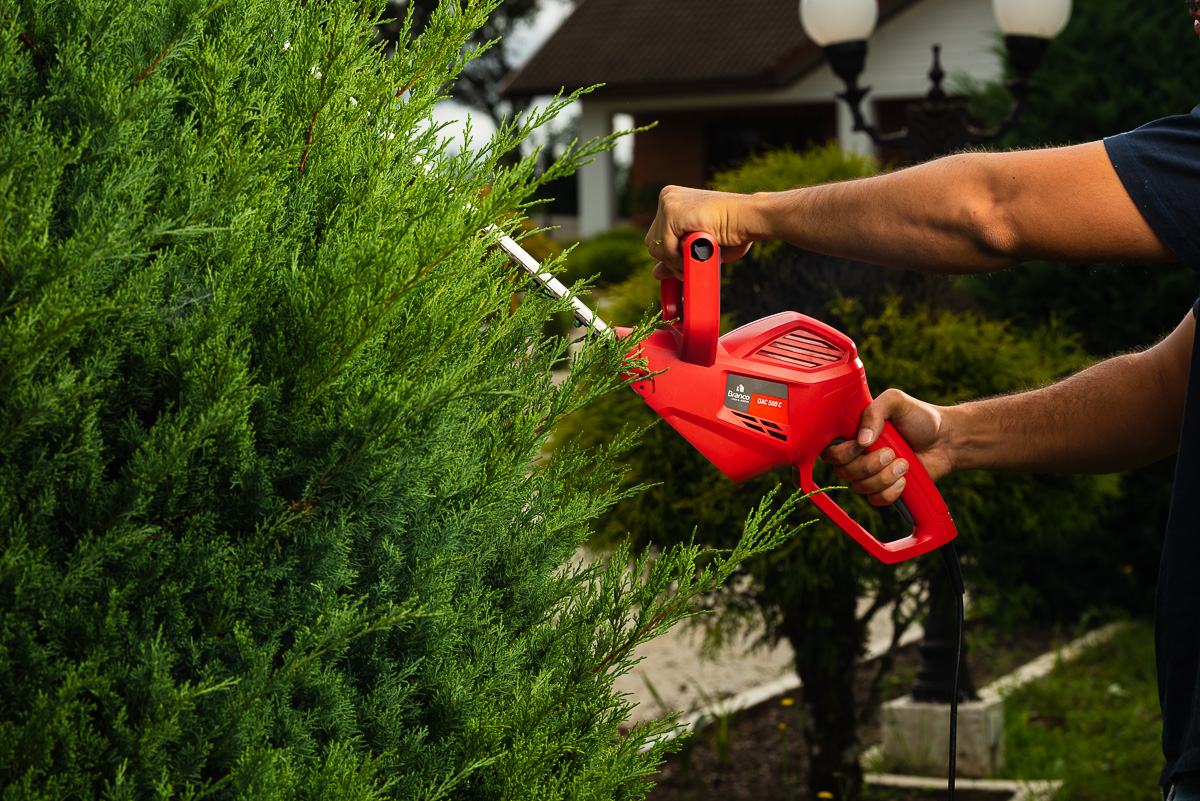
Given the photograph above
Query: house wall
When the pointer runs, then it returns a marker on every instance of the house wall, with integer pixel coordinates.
(670, 153)
(687, 147)
(898, 57)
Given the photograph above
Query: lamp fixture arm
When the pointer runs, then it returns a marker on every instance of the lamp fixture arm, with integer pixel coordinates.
(937, 125)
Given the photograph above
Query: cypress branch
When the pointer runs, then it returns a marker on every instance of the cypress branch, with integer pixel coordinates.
(150, 68)
(23, 37)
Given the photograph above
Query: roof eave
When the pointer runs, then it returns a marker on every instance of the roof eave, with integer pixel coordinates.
(787, 71)
(793, 66)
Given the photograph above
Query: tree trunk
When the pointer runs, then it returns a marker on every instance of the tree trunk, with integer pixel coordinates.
(828, 670)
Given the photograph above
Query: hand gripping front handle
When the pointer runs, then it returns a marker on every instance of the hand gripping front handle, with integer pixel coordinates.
(920, 503)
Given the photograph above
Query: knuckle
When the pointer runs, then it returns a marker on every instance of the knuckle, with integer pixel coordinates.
(837, 456)
(865, 486)
(856, 470)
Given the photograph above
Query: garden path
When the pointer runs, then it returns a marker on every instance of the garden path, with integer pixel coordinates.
(686, 681)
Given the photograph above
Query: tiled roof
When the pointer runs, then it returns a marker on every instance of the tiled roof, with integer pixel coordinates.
(638, 47)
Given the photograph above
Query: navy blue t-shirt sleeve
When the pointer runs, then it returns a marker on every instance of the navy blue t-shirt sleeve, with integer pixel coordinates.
(1159, 164)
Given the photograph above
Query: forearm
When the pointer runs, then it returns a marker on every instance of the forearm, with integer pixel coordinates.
(1119, 414)
(970, 213)
(928, 218)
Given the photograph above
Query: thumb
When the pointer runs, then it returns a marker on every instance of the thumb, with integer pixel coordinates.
(663, 271)
(890, 405)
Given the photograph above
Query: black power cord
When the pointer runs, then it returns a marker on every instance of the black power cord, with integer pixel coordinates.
(950, 557)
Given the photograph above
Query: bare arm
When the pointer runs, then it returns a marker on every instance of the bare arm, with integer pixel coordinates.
(1120, 413)
(970, 213)
(973, 213)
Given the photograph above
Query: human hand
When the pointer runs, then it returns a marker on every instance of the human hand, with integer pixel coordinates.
(879, 474)
(681, 211)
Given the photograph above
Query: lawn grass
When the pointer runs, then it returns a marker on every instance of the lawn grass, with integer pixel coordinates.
(1093, 723)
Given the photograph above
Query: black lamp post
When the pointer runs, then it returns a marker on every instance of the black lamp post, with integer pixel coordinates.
(936, 126)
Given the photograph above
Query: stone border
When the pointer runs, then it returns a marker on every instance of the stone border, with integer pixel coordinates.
(993, 694)
(748, 699)
(1042, 665)
(1020, 790)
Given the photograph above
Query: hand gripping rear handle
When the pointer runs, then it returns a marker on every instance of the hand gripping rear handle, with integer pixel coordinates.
(696, 301)
(932, 525)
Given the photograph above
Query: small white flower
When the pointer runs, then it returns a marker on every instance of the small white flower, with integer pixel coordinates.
(353, 102)
(287, 45)
(316, 73)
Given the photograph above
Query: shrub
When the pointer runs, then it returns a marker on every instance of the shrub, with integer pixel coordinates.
(274, 514)
(787, 168)
(610, 256)
(776, 170)
(807, 591)
(606, 259)
(776, 277)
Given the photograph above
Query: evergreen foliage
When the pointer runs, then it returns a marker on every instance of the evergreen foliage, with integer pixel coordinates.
(808, 591)
(276, 522)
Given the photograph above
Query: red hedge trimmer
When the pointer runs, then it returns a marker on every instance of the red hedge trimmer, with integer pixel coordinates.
(771, 394)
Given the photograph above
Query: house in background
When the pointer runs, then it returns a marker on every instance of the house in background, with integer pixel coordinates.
(725, 78)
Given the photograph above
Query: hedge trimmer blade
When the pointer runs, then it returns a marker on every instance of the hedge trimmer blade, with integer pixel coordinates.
(585, 316)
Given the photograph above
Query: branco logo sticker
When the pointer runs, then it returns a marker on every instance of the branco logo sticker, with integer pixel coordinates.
(763, 399)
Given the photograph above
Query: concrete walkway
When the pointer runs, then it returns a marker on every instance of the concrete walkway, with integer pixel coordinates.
(738, 678)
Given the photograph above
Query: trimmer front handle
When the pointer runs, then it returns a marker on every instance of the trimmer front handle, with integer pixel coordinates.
(698, 321)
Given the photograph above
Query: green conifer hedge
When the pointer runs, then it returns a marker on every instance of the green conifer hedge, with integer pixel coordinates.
(275, 518)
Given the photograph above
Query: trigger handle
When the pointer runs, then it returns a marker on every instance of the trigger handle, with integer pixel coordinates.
(899, 505)
(926, 511)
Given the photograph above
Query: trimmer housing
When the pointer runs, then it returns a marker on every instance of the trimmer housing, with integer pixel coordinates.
(773, 393)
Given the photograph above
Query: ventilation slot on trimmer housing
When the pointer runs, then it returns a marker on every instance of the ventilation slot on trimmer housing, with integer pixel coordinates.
(757, 425)
(801, 350)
